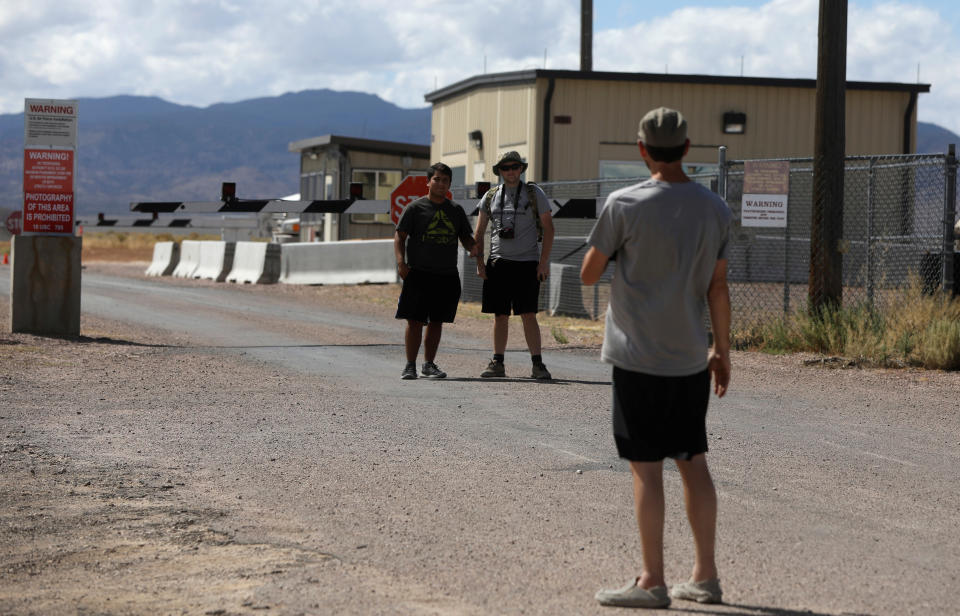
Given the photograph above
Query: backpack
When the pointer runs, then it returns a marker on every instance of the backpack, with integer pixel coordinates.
(531, 202)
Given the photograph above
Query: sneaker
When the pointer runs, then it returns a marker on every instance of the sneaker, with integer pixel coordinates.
(430, 369)
(707, 591)
(632, 595)
(409, 372)
(540, 372)
(494, 368)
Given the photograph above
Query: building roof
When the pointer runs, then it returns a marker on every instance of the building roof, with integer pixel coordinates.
(529, 76)
(362, 145)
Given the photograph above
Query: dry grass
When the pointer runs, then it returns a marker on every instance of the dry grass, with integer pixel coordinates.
(912, 330)
(119, 246)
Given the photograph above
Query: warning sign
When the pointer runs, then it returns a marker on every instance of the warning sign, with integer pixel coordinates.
(766, 185)
(50, 122)
(49, 165)
(47, 191)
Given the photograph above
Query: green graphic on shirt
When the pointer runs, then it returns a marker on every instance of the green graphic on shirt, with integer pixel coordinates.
(440, 231)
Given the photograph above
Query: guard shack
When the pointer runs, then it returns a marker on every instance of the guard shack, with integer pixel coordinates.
(329, 164)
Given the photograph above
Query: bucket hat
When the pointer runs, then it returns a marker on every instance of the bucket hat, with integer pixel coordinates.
(510, 157)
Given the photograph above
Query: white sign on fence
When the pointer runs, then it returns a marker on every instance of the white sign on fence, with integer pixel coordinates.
(766, 184)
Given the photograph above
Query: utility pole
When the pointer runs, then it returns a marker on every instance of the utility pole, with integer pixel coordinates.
(586, 36)
(826, 225)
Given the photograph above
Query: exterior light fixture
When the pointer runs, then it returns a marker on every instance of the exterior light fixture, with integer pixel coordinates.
(734, 122)
(477, 138)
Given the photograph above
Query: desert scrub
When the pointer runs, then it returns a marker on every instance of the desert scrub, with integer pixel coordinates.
(914, 329)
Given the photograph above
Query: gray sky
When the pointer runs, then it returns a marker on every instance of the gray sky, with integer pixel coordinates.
(200, 52)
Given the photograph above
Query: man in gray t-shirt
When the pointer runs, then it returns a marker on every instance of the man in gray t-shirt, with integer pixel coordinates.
(518, 214)
(669, 236)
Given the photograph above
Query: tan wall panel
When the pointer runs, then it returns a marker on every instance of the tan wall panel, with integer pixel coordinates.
(372, 160)
(454, 135)
(869, 125)
(514, 116)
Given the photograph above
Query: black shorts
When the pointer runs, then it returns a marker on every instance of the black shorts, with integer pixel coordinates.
(429, 297)
(511, 284)
(657, 417)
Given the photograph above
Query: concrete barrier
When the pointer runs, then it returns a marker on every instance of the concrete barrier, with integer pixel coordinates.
(166, 256)
(189, 259)
(255, 263)
(348, 262)
(570, 297)
(216, 260)
(471, 285)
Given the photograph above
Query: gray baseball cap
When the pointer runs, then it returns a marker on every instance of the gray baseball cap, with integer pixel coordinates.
(663, 128)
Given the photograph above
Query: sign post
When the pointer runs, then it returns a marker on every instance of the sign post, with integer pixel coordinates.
(45, 277)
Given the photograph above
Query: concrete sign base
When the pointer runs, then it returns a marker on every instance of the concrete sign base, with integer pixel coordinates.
(45, 285)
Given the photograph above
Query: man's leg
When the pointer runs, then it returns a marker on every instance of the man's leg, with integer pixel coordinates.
(501, 328)
(531, 331)
(701, 502)
(432, 341)
(411, 339)
(648, 497)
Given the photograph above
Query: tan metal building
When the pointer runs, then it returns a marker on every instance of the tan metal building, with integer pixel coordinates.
(573, 125)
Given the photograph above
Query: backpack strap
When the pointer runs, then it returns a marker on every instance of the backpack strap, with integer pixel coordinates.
(532, 200)
(487, 199)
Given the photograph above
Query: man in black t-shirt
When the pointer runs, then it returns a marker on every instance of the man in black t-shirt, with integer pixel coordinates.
(425, 245)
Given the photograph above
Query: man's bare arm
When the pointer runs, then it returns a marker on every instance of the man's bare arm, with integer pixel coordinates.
(594, 262)
(718, 300)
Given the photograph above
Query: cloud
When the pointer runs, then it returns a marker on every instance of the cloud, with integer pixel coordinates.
(203, 52)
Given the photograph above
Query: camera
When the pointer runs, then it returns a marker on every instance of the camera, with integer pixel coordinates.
(507, 234)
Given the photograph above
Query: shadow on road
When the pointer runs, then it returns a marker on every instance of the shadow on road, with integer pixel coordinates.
(759, 610)
(526, 379)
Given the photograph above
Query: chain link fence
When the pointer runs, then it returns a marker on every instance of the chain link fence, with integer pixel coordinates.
(898, 217)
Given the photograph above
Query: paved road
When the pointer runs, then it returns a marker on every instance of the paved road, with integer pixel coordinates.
(838, 489)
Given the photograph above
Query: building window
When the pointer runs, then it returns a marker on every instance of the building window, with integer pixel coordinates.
(623, 169)
(377, 185)
(459, 176)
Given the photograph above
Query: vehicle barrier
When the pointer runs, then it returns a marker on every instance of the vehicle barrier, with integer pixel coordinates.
(189, 259)
(216, 260)
(346, 262)
(255, 263)
(166, 256)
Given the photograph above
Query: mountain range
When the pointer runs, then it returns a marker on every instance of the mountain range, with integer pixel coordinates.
(135, 148)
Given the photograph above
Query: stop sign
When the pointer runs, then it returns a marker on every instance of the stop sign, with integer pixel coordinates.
(15, 222)
(409, 190)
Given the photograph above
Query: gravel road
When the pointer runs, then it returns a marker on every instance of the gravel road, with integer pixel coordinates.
(217, 449)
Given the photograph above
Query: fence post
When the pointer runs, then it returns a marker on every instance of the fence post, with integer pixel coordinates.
(786, 256)
(870, 180)
(722, 175)
(949, 216)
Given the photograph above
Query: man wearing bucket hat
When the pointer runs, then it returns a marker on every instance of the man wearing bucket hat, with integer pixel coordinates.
(521, 238)
(670, 237)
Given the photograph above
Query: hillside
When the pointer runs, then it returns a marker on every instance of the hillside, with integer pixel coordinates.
(932, 138)
(144, 148)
